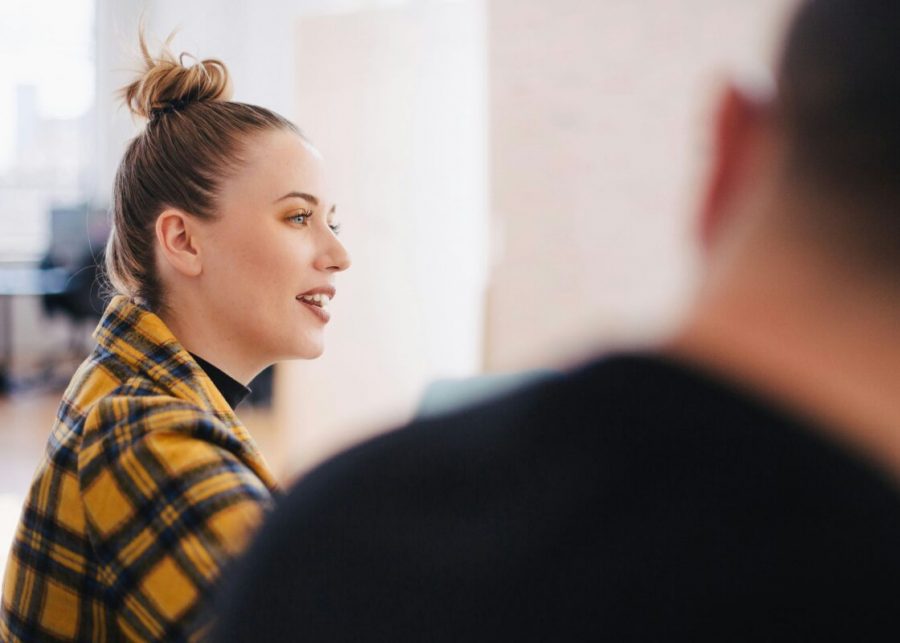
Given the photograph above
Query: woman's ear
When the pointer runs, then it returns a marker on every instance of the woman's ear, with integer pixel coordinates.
(177, 242)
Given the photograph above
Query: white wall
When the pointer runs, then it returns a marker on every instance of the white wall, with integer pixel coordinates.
(597, 122)
(395, 99)
(255, 40)
(115, 27)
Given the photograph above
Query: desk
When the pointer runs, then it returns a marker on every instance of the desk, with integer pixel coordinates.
(22, 282)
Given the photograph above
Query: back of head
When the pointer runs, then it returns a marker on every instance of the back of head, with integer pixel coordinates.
(839, 101)
(191, 144)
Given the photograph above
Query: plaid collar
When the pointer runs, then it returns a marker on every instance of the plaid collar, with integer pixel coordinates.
(143, 342)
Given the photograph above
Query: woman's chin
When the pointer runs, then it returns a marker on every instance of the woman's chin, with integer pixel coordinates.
(309, 351)
(305, 352)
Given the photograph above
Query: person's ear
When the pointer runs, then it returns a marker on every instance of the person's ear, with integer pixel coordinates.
(178, 243)
(735, 135)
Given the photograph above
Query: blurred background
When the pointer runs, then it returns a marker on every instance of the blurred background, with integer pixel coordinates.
(516, 179)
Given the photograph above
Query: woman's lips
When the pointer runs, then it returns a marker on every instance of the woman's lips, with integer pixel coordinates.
(318, 311)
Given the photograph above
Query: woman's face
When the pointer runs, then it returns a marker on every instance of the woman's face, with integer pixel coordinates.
(271, 256)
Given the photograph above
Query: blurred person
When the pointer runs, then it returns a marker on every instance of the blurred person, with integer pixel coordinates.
(738, 482)
(223, 254)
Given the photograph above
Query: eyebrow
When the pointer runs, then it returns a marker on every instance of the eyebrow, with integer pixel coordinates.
(300, 195)
(305, 197)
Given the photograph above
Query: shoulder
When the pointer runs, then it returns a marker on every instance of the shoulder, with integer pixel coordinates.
(526, 439)
(149, 450)
(571, 406)
(138, 419)
(631, 426)
(136, 408)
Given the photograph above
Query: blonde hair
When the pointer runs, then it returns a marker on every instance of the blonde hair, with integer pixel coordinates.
(191, 143)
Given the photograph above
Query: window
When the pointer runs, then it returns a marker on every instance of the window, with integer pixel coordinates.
(46, 119)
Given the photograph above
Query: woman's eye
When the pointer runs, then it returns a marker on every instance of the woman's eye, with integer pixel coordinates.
(301, 217)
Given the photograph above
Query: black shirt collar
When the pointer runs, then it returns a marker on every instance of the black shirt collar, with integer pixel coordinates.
(233, 391)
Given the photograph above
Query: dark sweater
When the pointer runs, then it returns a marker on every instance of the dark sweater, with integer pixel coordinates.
(233, 391)
(632, 500)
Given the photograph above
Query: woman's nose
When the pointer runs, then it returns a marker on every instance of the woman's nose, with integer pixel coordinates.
(334, 256)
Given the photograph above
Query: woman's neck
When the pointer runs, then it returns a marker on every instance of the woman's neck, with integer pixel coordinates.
(199, 336)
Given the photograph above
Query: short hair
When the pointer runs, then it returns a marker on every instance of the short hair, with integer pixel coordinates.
(839, 99)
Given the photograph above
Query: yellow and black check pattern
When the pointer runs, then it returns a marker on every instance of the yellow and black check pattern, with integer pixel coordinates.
(148, 486)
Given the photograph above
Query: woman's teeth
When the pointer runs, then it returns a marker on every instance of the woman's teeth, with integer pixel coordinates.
(316, 300)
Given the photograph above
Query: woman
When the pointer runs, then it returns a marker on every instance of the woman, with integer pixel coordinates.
(223, 253)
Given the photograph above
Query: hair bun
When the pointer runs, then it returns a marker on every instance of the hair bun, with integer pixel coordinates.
(165, 81)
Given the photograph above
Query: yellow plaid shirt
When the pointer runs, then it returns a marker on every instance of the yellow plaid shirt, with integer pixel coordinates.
(148, 486)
